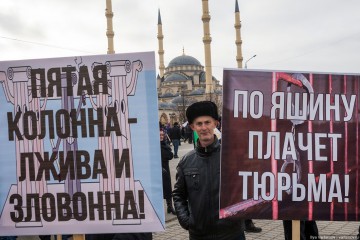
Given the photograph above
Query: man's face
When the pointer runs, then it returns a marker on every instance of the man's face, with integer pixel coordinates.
(204, 127)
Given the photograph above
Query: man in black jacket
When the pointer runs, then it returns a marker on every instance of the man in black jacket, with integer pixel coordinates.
(196, 191)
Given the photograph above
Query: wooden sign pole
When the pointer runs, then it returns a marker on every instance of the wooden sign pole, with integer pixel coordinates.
(295, 230)
(78, 237)
(75, 237)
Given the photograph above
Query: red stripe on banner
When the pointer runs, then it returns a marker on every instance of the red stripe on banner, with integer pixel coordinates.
(346, 152)
(311, 164)
(275, 204)
(357, 149)
(331, 150)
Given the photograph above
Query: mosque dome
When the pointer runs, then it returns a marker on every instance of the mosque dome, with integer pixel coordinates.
(184, 60)
(168, 94)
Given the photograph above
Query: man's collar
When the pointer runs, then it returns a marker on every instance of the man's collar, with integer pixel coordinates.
(208, 149)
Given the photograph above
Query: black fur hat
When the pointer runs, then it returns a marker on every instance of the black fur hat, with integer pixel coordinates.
(204, 108)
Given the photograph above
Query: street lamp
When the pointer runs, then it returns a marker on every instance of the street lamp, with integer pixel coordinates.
(249, 60)
(182, 95)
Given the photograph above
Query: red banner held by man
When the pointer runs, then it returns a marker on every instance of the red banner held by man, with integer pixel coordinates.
(290, 145)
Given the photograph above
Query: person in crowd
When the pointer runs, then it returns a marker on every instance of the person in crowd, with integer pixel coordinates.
(220, 124)
(250, 226)
(189, 133)
(119, 236)
(133, 236)
(167, 128)
(166, 156)
(183, 135)
(175, 136)
(104, 236)
(196, 191)
(45, 237)
(48, 237)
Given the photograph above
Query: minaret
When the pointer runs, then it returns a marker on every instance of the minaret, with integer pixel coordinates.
(109, 31)
(207, 40)
(238, 42)
(160, 38)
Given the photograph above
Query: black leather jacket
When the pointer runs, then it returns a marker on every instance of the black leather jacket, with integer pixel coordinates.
(196, 195)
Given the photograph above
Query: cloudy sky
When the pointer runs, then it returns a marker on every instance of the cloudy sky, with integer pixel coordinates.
(301, 35)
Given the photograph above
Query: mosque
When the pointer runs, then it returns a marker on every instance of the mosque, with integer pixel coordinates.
(183, 83)
(185, 80)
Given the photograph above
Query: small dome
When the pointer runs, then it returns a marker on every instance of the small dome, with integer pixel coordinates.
(203, 77)
(184, 60)
(198, 91)
(179, 100)
(164, 105)
(168, 94)
(175, 77)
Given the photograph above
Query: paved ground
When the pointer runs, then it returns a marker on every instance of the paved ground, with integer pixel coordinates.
(271, 229)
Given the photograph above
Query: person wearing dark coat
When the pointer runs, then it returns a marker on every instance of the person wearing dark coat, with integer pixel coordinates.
(189, 133)
(132, 236)
(166, 155)
(119, 236)
(196, 191)
(308, 230)
(175, 136)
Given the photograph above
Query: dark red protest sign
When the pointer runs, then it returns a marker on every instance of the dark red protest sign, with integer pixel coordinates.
(290, 145)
